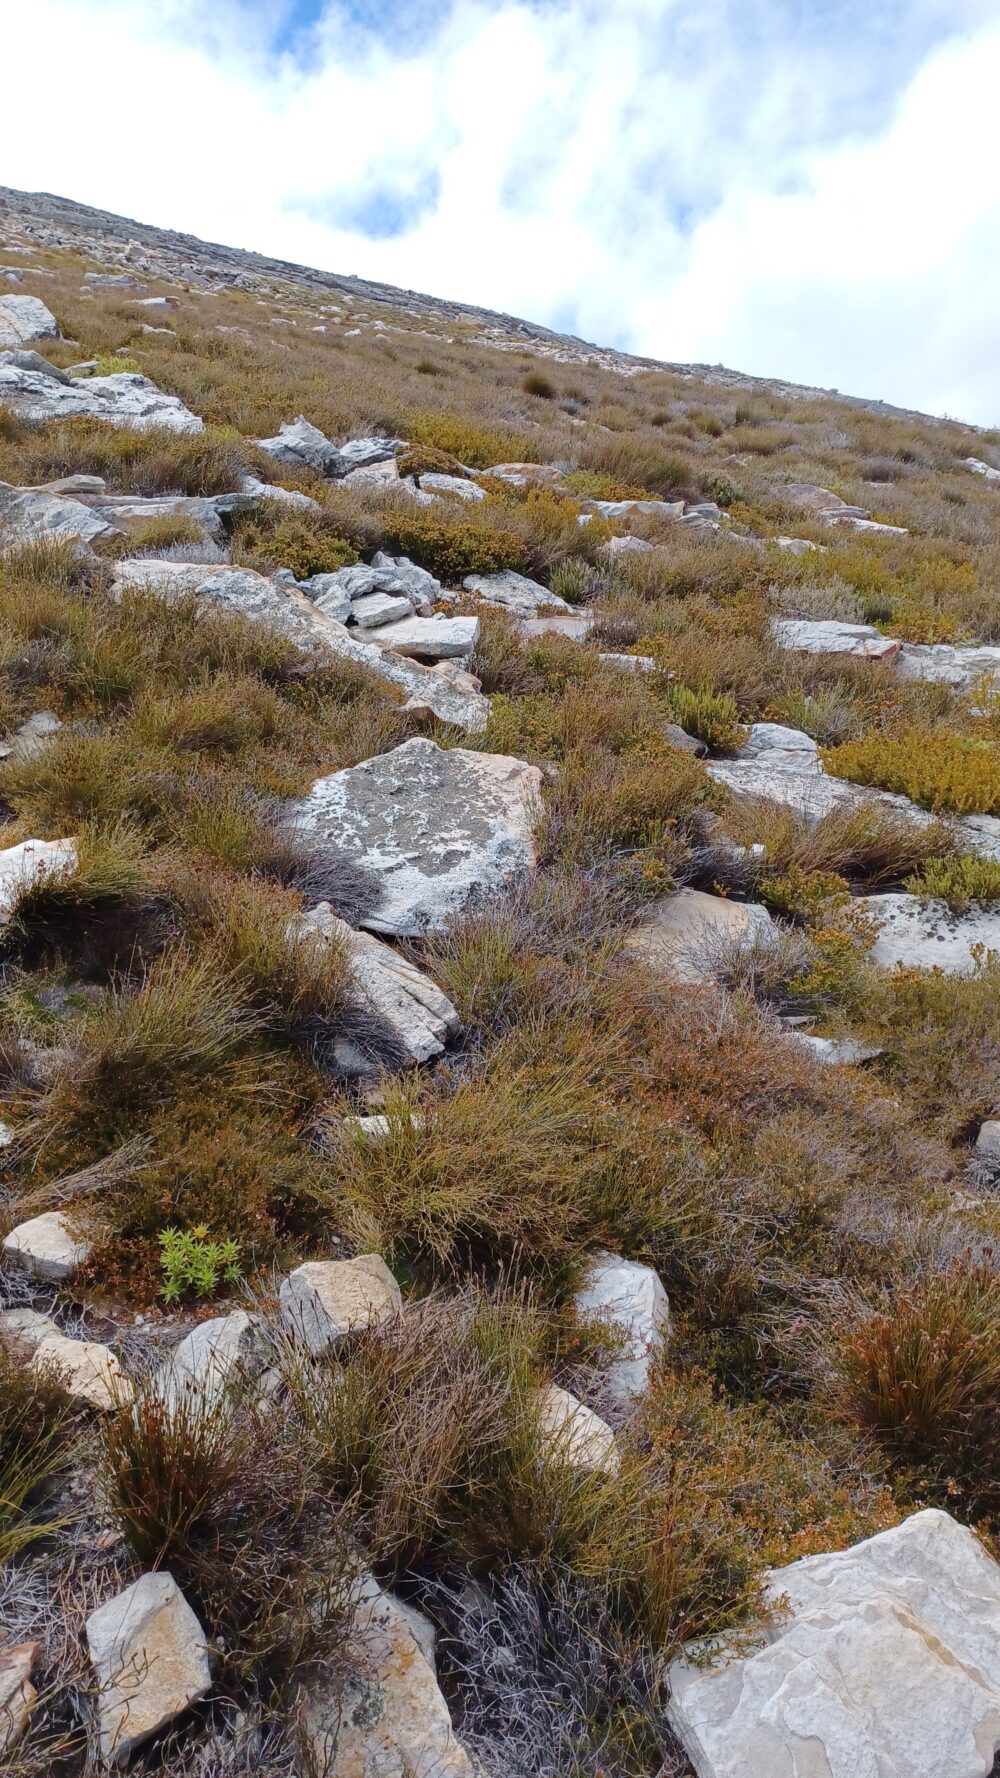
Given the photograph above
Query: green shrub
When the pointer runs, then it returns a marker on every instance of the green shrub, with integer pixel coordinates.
(962, 882)
(537, 383)
(452, 548)
(299, 543)
(191, 1261)
(940, 770)
(711, 716)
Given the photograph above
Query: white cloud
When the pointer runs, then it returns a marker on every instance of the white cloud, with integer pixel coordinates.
(805, 193)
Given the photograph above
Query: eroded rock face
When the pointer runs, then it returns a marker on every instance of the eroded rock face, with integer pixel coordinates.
(923, 934)
(449, 694)
(887, 1664)
(150, 1658)
(433, 638)
(442, 827)
(390, 1721)
(24, 318)
(631, 1298)
(27, 516)
(125, 399)
(325, 1301)
(420, 1016)
(47, 1247)
(689, 932)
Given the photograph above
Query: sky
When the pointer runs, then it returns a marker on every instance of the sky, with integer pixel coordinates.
(804, 189)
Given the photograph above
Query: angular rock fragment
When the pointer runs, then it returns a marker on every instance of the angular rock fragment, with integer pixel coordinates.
(886, 1663)
(373, 610)
(572, 1434)
(420, 1017)
(324, 1302)
(631, 1298)
(432, 638)
(986, 470)
(150, 1658)
(27, 517)
(88, 1372)
(442, 827)
(47, 1247)
(389, 1720)
(514, 593)
(301, 445)
(24, 318)
(455, 485)
(206, 1361)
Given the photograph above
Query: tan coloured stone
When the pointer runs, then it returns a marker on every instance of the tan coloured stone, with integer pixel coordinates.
(151, 1660)
(325, 1301)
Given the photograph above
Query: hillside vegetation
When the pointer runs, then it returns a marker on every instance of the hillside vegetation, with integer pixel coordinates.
(179, 1067)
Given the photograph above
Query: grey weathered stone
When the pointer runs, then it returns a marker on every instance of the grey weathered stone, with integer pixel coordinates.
(442, 827)
(886, 1664)
(258, 490)
(361, 453)
(114, 280)
(420, 1016)
(834, 1049)
(984, 469)
(689, 932)
(828, 636)
(17, 1694)
(454, 485)
(679, 737)
(125, 399)
(207, 1360)
(988, 1140)
(630, 663)
(514, 593)
(24, 318)
(324, 1302)
(924, 934)
(26, 516)
(373, 474)
(632, 1299)
(432, 638)
(28, 360)
(397, 574)
(765, 738)
(374, 609)
(150, 1657)
(300, 444)
(944, 664)
(47, 1246)
(31, 737)
(389, 1720)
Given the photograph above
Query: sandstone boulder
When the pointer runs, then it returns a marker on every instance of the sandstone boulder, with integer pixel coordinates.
(632, 1300)
(88, 1372)
(47, 1247)
(17, 1694)
(689, 933)
(420, 1016)
(443, 828)
(887, 1663)
(325, 1301)
(572, 1434)
(150, 1658)
(389, 1720)
(206, 1361)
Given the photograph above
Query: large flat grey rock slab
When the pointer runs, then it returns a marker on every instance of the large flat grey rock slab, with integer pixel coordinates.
(943, 663)
(125, 399)
(924, 934)
(443, 828)
(514, 593)
(828, 636)
(27, 516)
(886, 1664)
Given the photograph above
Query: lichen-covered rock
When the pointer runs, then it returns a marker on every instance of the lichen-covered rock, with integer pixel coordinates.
(514, 593)
(631, 1299)
(150, 1658)
(47, 1246)
(442, 827)
(389, 1720)
(887, 1663)
(24, 318)
(125, 399)
(325, 1301)
(689, 932)
(919, 933)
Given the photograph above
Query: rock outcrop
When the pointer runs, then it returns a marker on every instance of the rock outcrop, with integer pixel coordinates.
(886, 1663)
(420, 1017)
(24, 318)
(124, 399)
